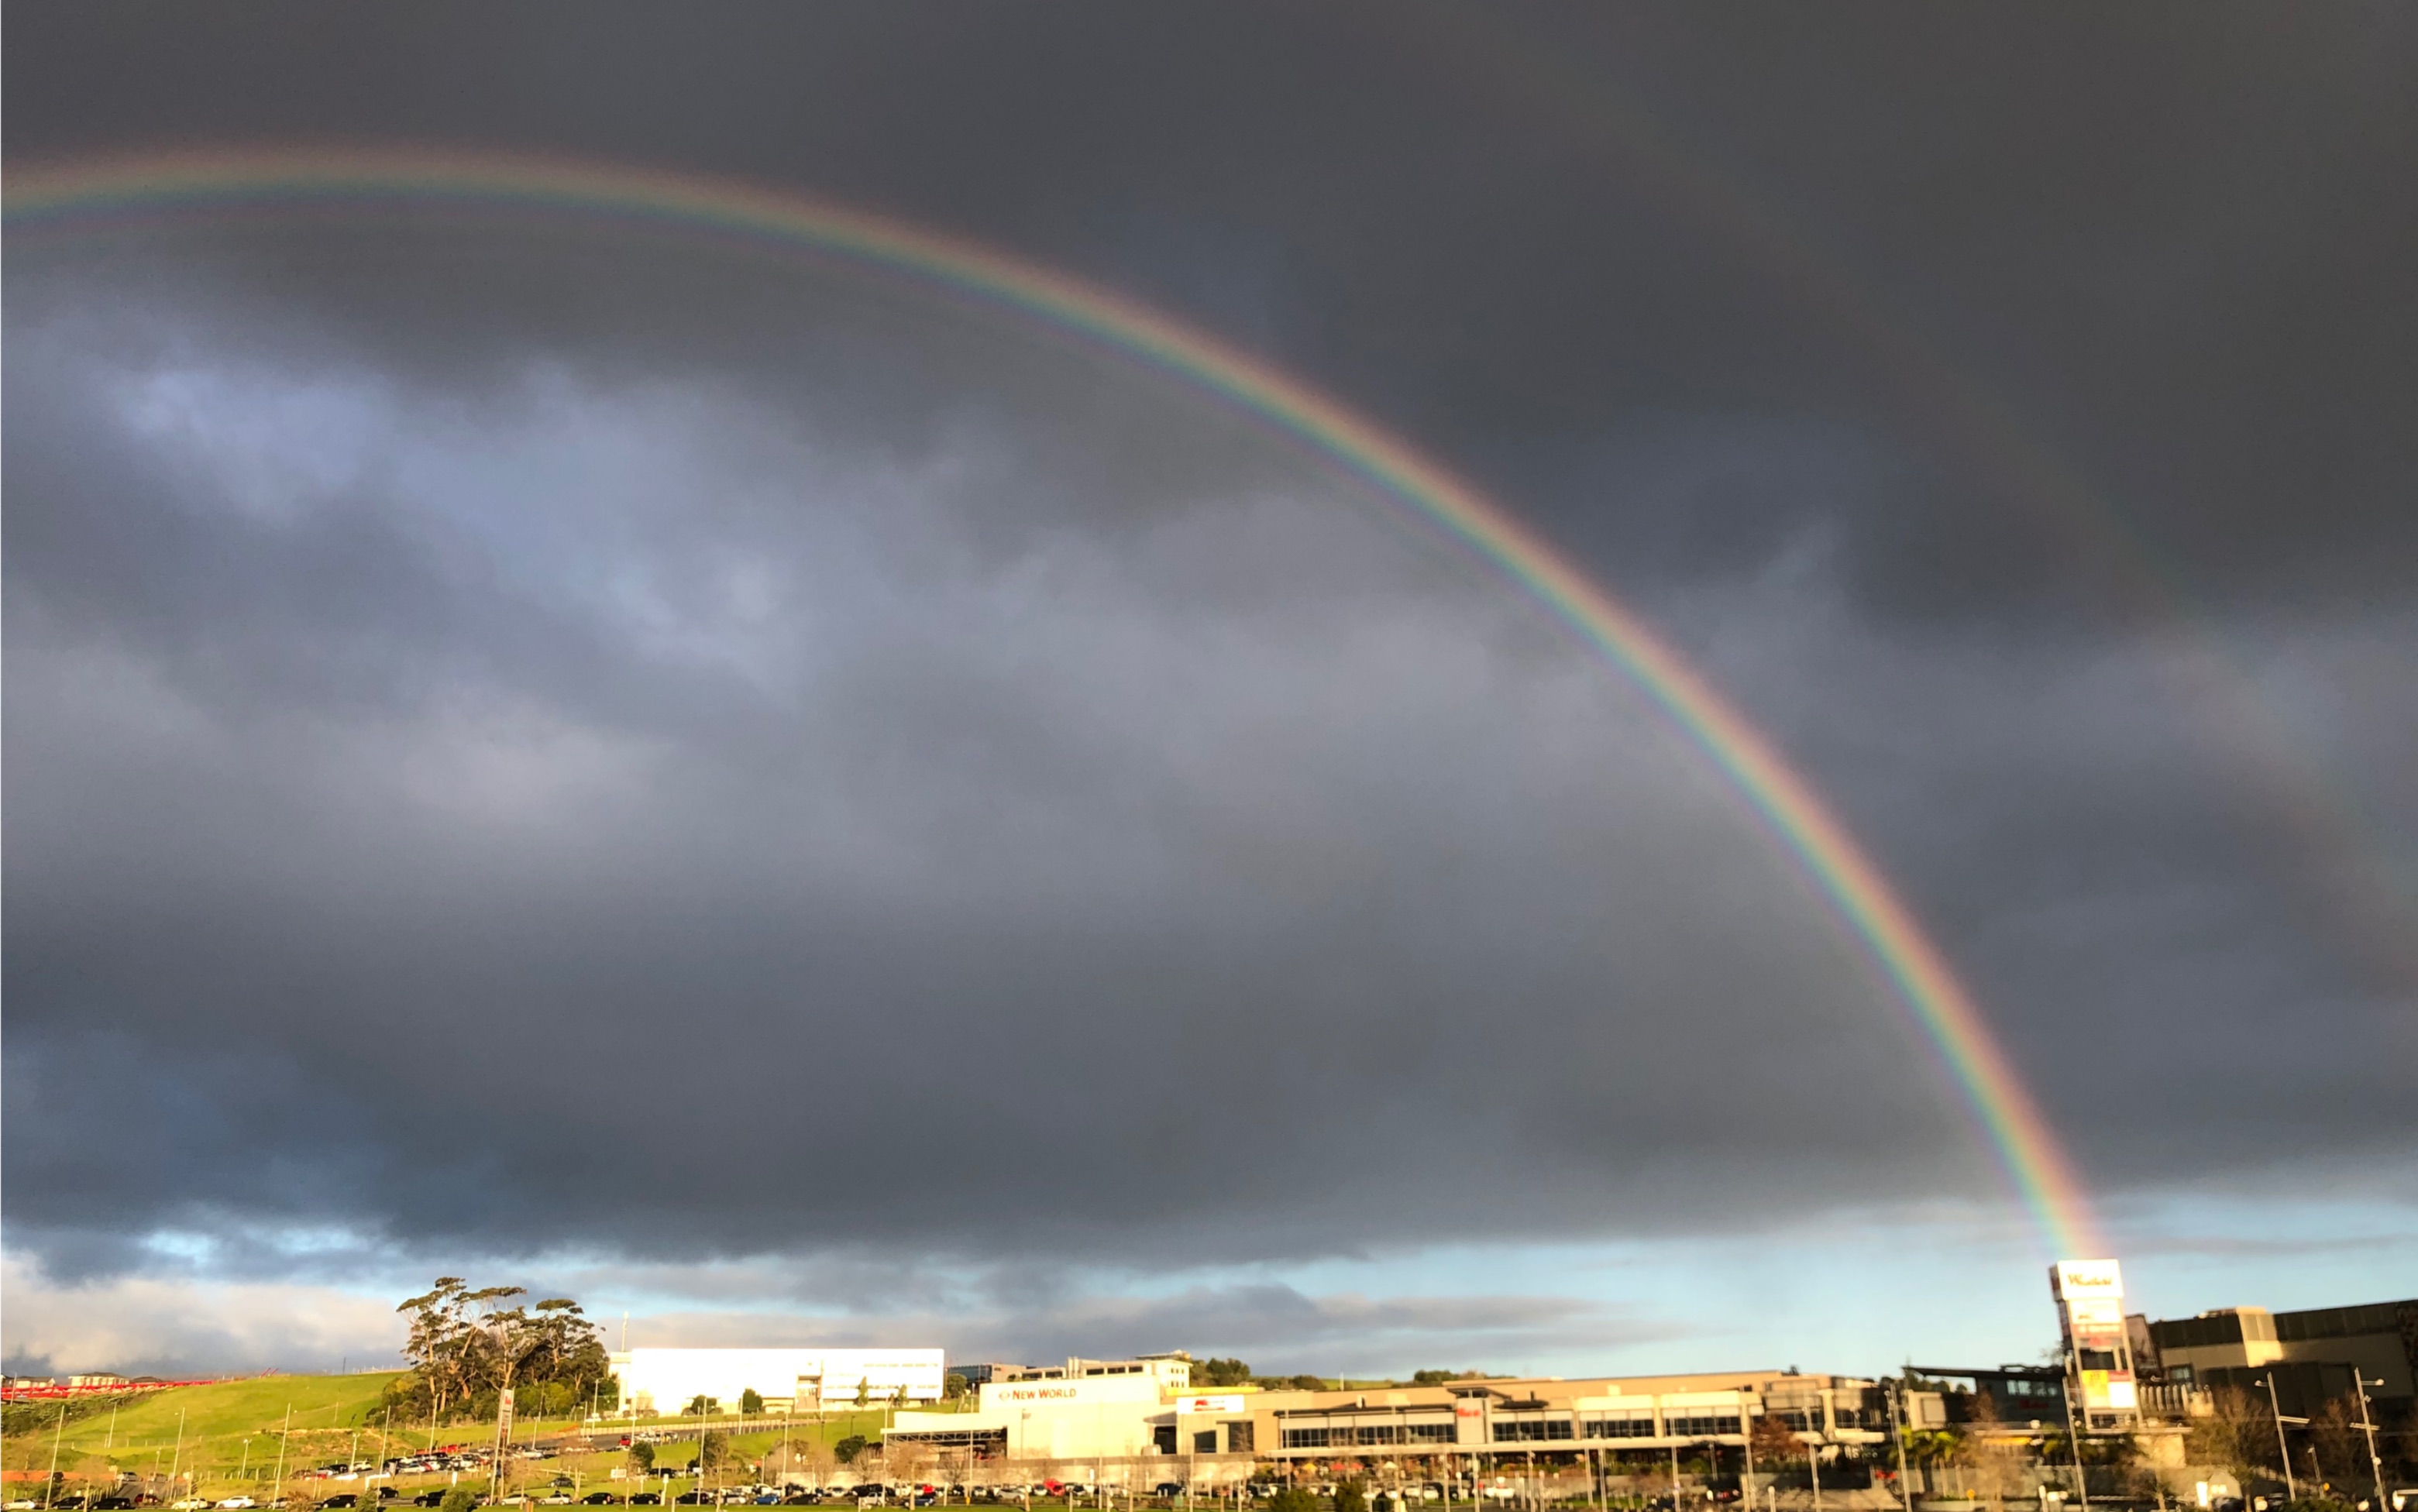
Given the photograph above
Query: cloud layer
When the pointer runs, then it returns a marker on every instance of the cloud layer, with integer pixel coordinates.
(528, 741)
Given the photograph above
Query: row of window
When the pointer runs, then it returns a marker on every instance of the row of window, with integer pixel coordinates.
(1527, 1430)
(1624, 1426)
(1369, 1433)
(2340, 1322)
(1531, 1430)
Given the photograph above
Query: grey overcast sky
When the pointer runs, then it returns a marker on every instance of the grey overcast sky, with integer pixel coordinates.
(802, 808)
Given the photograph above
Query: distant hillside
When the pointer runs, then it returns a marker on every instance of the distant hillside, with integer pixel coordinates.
(203, 1428)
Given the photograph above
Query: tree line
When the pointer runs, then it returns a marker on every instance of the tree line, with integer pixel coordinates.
(468, 1344)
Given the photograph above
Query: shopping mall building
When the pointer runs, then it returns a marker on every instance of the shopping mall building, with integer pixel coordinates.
(1126, 1417)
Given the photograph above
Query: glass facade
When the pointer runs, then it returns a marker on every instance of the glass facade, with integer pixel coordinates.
(1533, 1430)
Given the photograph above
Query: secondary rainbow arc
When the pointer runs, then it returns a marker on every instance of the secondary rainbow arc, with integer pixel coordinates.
(116, 192)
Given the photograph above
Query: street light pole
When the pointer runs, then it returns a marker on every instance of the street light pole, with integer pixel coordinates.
(1897, 1433)
(2074, 1437)
(1746, 1431)
(51, 1484)
(286, 1433)
(2282, 1451)
(2375, 1465)
(178, 1458)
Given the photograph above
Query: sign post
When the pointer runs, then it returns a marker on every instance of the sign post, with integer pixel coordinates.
(2098, 1356)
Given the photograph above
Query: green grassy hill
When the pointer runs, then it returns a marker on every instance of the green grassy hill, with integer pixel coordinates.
(205, 1428)
(227, 1435)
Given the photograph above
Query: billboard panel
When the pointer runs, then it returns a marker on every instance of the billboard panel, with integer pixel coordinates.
(2068, 1279)
(2090, 1321)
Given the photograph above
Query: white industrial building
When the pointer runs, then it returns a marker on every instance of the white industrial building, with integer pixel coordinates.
(1090, 1408)
(667, 1381)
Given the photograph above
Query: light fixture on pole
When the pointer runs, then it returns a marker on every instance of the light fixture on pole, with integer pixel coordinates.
(2367, 1426)
(2283, 1451)
(50, 1481)
(1897, 1433)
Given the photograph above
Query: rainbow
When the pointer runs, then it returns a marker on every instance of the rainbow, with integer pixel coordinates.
(135, 191)
(2374, 900)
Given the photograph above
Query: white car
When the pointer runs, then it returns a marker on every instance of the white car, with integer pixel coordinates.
(188, 1504)
(239, 1502)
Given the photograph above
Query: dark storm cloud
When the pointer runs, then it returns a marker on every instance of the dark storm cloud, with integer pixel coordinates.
(2165, 246)
(520, 740)
(1278, 1328)
(651, 741)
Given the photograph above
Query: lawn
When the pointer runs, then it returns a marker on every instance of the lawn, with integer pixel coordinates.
(228, 1435)
(205, 1428)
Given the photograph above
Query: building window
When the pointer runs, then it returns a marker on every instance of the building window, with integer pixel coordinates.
(1379, 1434)
(1205, 1442)
(1430, 1432)
(1238, 1438)
(1632, 1424)
(1531, 1430)
(1702, 1428)
(1304, 1438)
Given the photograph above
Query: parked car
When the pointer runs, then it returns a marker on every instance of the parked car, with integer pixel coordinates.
(245, 1501)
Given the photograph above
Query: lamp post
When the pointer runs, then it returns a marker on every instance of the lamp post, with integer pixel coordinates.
(2291, 1493)
(2375, 1466)
(177, 1459)
(282, 1438)
(1897, 1435)
(1746, 1473)
(2072, 1387)
(51, 1483)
